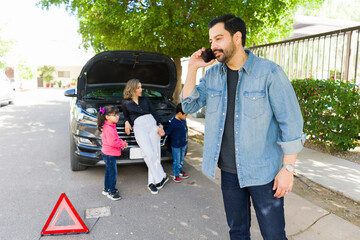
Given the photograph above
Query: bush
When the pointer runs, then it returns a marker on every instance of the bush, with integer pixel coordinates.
(331, 111)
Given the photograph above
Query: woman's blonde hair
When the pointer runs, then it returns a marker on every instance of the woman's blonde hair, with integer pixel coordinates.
(130, 88)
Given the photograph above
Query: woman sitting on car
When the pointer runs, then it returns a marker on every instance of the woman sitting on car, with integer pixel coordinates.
(141, 116)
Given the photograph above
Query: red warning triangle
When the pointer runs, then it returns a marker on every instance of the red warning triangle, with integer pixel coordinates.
(50, 225)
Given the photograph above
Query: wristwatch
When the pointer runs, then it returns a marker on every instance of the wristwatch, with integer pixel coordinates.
(289, 167)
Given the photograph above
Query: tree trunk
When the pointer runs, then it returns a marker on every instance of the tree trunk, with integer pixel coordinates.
(178, 88)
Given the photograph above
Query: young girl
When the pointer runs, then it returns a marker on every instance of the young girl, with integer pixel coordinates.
(111, 148)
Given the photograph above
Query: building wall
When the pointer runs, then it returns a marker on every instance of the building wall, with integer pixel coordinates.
(65, 74)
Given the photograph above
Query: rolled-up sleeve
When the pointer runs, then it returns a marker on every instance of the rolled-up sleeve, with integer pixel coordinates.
(287, 112)
(293, 147)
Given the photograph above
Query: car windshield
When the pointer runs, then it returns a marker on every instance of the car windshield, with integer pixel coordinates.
(118, 93)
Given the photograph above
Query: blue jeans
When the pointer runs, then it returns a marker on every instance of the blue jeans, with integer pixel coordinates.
(110, 172)
(269, 210)
(178, 159)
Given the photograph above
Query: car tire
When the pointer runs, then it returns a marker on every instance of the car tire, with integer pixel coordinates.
(74, 161)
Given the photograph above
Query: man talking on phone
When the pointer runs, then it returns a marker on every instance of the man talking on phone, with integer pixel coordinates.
(253, 128)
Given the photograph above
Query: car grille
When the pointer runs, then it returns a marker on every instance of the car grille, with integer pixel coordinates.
(130, 139)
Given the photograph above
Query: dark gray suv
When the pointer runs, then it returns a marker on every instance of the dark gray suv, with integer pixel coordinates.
(101, 82)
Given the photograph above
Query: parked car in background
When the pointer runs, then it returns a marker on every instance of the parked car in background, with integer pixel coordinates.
(101, 82)
(7, 91)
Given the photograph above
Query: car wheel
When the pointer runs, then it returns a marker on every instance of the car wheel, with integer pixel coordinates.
(74, 161)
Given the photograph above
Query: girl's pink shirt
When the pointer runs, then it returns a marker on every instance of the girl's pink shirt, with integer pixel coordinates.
(111, 143)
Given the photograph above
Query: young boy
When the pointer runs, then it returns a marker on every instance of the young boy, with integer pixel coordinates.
(177, 133)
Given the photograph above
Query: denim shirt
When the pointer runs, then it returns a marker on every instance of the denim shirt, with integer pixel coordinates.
(268, 121)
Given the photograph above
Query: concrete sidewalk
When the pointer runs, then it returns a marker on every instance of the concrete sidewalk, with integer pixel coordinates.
(305, 220)
(334, 173)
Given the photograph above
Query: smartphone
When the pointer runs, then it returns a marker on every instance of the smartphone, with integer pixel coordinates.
(208, 55)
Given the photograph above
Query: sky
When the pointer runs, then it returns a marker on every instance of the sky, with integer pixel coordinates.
(41, 37)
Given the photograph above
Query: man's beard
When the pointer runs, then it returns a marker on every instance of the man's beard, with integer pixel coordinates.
(227, 54)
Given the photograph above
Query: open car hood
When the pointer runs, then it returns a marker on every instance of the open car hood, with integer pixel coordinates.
(114, 68)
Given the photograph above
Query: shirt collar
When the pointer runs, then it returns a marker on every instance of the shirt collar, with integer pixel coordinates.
(249, 62)
(110, 124)
(247, 65)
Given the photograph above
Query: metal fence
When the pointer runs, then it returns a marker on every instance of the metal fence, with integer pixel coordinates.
(328, 55)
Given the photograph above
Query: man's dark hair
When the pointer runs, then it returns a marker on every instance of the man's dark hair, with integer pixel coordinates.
(232, 24)
(179, 108)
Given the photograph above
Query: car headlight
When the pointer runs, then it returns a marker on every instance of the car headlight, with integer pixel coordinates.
(86, 119)
(86, 141)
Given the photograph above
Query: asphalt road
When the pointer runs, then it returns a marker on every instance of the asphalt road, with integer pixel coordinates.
(35, 170)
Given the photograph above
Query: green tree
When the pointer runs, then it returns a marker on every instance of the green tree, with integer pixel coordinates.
(45, 73)
(25, 71)
(174, 27)
(334, 9)
(5, 47)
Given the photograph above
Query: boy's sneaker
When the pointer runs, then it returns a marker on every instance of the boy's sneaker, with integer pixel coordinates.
(177, 179)
(114, 196)
(105, 192)
(152, 188)
(161, 184)
(182, 174)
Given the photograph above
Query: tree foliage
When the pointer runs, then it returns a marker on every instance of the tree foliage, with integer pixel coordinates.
(333, 9)
(46, 73)
(176, 28)
(5, 47)
(25, 71)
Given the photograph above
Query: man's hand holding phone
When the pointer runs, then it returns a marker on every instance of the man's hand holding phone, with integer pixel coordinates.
(208, 55)
(197, 59)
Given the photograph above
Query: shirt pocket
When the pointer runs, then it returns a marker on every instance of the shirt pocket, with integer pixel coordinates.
(212, 100)
(254, 103)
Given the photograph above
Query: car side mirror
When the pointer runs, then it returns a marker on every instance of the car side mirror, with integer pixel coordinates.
(70, 93)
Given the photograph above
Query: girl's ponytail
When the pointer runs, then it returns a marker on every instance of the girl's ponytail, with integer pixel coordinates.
(109, 109)
(101, 118)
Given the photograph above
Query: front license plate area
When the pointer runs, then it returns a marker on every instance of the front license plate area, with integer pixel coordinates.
(136, 153)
